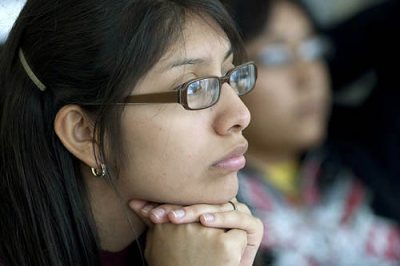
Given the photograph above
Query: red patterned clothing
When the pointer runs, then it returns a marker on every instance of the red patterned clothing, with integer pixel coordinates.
(333, 225)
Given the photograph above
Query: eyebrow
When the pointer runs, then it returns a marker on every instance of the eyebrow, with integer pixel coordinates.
(276, 36)
(194, 61)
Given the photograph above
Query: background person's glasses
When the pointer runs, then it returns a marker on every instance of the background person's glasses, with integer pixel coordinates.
(280, 54)
(202, 93)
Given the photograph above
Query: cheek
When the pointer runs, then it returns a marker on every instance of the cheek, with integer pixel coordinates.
(155, 148)
(168, 160)
(272, 116)
(321, 88)
(321, 79)
(157, 167)
(272, 99)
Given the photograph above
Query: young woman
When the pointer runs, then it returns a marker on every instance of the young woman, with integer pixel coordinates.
(315, 211)
(103, 102)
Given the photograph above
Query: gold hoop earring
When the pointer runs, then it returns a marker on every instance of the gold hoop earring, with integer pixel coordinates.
(99, 172)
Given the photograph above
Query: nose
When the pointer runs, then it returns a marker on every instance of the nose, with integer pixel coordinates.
(302, 72)
(232, 115)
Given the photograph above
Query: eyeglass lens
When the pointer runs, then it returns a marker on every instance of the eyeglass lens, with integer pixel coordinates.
(281, 54)
(204, 93)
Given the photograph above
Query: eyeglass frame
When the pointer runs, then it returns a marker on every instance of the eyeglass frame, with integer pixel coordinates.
(179, 93)
(296, 54)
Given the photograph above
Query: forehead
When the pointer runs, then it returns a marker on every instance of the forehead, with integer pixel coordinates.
(201, 38)
(288, 21)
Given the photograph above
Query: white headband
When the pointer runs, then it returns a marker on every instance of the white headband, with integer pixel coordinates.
(29, 71)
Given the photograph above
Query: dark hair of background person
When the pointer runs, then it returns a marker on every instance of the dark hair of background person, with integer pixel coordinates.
(369, 132)
(92, 51)
(252, 16)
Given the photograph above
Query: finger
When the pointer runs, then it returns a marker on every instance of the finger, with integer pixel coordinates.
(180, 214)
(237, 220)
(140, 207)
(163, 213)
(143, 207)
(137, 205)
(192, 213)
(160, 214)
(156, 212)
(240, 206)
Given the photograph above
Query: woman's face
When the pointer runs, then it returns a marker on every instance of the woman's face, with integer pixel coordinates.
(180, 156)
(290, 104)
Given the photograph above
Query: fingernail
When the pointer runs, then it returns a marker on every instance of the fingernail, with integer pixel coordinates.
(208, 217)
(158, 213)
(132, 205)
(178, 214)
(147, 208)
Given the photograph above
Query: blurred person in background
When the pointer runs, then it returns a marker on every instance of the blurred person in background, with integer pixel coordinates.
(315, 211)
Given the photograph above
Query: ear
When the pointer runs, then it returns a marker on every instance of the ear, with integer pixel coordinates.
(76, 131)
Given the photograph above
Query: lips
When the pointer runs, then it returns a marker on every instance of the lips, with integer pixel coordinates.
(234, 160)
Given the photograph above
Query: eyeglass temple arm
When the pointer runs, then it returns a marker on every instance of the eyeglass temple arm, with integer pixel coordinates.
(162, 97)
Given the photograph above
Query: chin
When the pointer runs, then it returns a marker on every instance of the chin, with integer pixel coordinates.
(313, 139)
(228, 191)
(218, 190)
(222, 192)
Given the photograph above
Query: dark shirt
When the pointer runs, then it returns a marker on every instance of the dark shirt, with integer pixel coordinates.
(131, 255)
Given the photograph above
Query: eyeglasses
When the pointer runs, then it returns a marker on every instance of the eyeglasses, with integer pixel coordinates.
(276, 55)
(202, 93)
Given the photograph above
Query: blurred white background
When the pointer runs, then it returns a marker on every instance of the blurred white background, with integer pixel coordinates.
(330, 12)
(9, 10)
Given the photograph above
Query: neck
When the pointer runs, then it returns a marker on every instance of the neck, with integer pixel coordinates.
(117, 225)
(279, 169)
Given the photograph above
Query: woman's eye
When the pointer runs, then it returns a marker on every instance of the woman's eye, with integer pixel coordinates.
(195, 88)
(275, 55)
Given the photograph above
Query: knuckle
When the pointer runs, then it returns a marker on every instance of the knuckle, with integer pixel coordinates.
(259, 224)
(233, 246)
(244, 207)
(230, 248)
(192, 210)
(227, 206)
